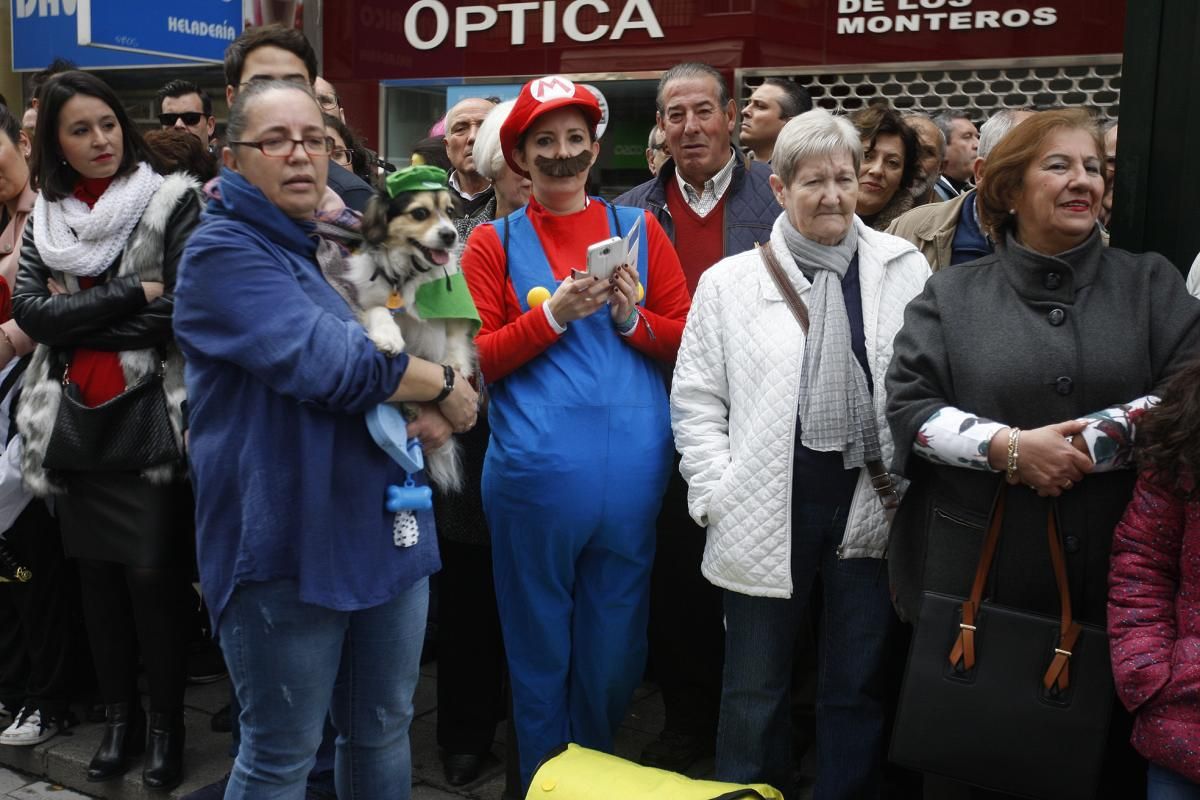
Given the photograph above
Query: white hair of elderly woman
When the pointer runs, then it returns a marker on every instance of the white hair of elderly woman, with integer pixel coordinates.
(488, 155)
(813, 134)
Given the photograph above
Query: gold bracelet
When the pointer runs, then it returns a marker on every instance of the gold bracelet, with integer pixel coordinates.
(1014, 451)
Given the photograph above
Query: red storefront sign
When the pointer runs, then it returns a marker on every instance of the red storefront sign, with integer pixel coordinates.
(367, 41)
(378, 39)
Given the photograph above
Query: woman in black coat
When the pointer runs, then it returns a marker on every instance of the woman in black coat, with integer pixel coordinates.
(95, 291)
(1032, 364)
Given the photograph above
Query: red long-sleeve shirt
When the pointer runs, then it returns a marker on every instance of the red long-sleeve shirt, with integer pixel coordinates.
(509, 337)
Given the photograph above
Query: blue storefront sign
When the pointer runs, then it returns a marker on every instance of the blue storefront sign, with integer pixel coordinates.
(43, 30)
(199, 30)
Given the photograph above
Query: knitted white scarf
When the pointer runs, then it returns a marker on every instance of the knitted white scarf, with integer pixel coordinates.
(84, 241)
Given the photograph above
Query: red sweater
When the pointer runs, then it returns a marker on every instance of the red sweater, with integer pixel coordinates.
(509, 337)
(97, 373)
(700, 241)
(1154, 622)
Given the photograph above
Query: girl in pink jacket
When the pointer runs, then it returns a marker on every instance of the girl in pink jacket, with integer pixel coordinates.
(1154, 593)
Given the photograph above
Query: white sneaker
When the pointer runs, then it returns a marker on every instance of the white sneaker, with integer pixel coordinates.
(27, 729)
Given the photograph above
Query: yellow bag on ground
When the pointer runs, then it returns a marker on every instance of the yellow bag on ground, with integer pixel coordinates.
(577, 773)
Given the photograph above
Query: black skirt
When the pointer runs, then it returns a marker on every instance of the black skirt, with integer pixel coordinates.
(122, 517)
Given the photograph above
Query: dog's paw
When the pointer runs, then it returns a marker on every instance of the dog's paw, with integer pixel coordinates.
(388, 339)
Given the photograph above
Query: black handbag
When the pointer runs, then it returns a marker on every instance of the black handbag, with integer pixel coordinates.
(128, 433)
(1002, 698)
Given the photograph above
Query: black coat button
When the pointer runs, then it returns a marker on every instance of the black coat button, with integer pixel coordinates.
(1071, 544)
(1052, 280)
(1063, 385)
(1056, 316)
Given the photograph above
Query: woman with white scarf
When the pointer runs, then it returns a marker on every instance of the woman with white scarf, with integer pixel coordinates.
(780, 424)
(95, 291)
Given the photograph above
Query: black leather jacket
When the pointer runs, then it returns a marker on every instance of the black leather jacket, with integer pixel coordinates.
(112, 315)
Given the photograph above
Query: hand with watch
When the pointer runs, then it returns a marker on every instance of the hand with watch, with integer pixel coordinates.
(458, 400)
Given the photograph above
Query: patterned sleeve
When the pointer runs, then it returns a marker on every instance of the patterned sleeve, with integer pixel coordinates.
(956, 438)
(1111, 431)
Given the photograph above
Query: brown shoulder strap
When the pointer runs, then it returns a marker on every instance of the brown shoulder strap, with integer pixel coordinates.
(964, 645)
(881, 479)
(799, 310)
(1057, 675)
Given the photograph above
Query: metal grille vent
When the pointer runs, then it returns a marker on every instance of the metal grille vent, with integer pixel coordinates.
(978, 90)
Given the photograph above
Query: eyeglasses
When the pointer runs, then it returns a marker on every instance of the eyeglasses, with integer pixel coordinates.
(280, 147)
(189, 118)
(328, 102)
(341, 155)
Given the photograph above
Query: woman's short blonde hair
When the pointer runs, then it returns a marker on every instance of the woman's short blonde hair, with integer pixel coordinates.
(814, 134)
(1004, 171)
(487, 152)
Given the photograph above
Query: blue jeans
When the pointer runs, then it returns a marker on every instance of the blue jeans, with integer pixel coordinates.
(1164, 784)
(754, 734)
(292, 662)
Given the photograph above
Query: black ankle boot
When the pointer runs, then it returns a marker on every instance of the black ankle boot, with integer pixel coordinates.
(124, 738)
(164, 751)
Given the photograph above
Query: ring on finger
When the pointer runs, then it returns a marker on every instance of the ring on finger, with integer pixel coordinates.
(1068, 484)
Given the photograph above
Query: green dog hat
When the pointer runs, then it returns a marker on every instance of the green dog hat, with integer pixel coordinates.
(423, 178)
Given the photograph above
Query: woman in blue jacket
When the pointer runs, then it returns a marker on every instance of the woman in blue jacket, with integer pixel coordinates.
(315, 605)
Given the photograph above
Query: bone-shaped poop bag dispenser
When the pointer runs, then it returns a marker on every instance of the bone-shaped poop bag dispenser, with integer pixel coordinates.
(390, 431)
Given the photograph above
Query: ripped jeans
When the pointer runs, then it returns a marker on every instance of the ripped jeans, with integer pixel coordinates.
(291, 662)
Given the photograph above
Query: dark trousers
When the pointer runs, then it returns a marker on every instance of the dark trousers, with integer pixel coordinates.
(470, 649)
(754, 742)
(41, 628)
(131, 609)
(687, 636)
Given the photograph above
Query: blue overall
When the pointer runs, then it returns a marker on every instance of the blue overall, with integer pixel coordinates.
(574, 475)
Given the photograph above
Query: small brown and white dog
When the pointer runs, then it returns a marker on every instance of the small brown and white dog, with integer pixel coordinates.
(409, 241)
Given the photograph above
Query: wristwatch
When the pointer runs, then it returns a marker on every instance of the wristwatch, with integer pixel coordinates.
(447, 383)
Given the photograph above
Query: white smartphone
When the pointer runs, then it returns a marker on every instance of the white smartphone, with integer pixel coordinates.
(604, 257)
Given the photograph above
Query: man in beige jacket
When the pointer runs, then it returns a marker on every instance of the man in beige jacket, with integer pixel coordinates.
(948, 232)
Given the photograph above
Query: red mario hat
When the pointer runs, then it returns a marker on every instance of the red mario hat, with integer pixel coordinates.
(539, 96)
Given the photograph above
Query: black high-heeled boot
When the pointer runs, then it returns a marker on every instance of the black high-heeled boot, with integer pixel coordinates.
(163, 767)
(124, 738)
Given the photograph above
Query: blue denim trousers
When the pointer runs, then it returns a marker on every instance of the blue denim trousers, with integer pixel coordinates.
(1165, 784)
(754, 733)
(292, 662)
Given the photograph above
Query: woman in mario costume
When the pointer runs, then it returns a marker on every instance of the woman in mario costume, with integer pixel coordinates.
(581, 436)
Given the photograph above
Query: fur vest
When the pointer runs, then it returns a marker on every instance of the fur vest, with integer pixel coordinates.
(143, 256)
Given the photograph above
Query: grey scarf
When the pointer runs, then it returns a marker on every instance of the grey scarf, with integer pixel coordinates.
(835, 408)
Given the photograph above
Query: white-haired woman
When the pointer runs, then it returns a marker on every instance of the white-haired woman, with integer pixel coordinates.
(780, 425)
(471, 666)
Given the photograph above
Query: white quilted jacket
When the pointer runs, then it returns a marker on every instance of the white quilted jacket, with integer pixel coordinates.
(733, 407)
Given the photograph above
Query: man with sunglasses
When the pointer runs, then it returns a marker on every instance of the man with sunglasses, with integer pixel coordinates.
(185, 105)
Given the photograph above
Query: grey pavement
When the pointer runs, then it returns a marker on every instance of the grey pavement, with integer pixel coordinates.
(57, 768)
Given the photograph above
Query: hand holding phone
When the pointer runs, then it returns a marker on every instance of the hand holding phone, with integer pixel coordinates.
(604, 257)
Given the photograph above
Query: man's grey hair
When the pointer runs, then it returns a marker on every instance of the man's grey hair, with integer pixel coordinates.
(814, 134)
(945, 122)
(993, 130)
(249, 93)
(655, 132)
(687, 70)
(487, 151)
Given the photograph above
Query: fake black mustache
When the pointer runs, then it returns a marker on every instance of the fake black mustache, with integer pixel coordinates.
(564, 167)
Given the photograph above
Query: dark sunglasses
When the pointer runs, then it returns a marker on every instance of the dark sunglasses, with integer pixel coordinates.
(188, 117)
